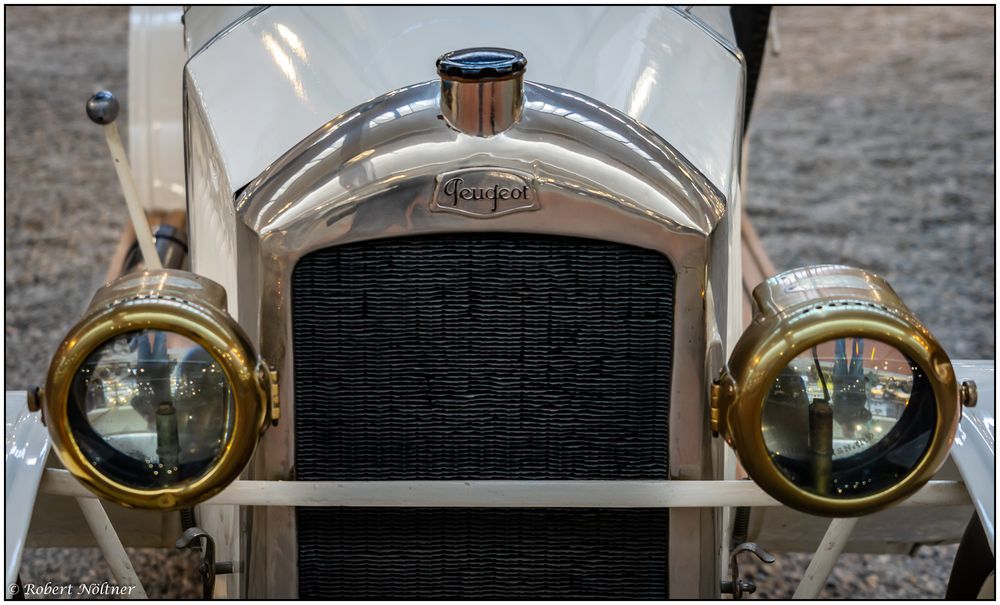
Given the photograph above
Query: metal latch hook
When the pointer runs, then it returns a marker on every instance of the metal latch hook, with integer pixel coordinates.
(736, 586)
(196, 537)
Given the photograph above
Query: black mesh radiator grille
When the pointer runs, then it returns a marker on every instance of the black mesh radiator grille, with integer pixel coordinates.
(482, 553)
(482, 356)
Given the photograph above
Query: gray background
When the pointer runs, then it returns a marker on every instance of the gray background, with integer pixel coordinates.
(872, 143)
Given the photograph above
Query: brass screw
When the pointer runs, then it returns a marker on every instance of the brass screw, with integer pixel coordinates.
(968, 394)
(275, 401)
(35, 398)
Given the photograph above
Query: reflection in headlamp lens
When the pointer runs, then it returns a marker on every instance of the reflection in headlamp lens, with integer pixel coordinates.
(848, 418)
(150, 409)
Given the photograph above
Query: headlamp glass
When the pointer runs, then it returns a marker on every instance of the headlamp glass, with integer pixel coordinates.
(151, 409)
(848, 418)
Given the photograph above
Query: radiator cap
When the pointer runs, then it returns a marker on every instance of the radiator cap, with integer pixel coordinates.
(481, 64)
(482, 89)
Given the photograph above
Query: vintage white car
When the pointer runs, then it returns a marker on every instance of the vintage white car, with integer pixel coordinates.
(469, 312)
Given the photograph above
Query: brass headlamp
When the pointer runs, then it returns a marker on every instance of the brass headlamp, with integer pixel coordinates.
(838, 401)
(157, 398)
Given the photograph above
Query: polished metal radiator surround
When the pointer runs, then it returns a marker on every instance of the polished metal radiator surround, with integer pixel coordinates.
(633, 213)
(482, 356)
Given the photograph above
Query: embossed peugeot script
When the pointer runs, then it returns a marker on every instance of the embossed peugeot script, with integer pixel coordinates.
(484, 192)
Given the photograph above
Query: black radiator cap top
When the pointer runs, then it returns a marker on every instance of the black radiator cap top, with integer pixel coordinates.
(481, 63)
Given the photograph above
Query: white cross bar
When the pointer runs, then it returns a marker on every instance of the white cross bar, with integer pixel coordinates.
(506, 494)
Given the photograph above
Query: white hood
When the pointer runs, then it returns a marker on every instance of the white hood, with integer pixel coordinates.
(268, 81)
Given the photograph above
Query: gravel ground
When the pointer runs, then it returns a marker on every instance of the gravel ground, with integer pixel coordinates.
(63, 217)
(872, 144)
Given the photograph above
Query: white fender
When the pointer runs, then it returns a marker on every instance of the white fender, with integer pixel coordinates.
(974, 451)
(156, 57)
(26, 447)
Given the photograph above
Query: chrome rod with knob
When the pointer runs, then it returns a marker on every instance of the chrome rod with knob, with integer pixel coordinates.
(102, 108)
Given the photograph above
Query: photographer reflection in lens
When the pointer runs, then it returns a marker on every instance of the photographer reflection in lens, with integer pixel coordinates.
(850, 398)
(153, 399)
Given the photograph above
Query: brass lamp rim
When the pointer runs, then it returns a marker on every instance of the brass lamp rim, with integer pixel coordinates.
(201, 322)
(776, 337)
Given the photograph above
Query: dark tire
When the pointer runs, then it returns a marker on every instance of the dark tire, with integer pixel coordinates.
(973, 563)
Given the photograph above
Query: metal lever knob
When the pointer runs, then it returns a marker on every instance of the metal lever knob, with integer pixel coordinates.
(102, 108)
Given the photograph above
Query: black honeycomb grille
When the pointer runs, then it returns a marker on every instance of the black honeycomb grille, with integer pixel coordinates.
(482, 356)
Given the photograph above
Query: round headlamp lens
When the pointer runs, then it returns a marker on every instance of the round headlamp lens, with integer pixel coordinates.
(848, 418)
(151, 409)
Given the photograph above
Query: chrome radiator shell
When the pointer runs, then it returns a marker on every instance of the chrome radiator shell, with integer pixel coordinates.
(371, 173)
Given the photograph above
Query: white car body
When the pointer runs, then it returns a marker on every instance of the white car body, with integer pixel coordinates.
(263, 80)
